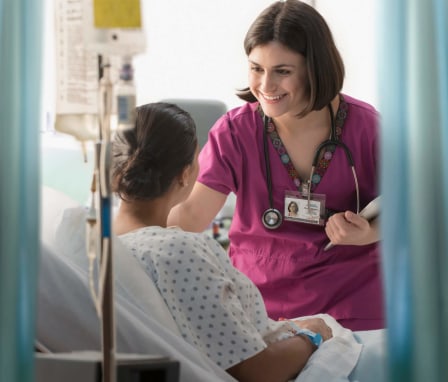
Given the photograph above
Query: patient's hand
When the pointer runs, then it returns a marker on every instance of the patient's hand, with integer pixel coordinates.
(316, 325)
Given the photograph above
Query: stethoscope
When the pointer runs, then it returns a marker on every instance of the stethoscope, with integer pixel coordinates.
(273, 218)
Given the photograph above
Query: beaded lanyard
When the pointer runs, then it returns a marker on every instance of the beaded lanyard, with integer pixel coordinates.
(324, 161)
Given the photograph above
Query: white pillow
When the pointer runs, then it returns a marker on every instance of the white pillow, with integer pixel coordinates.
(53, 204)
(65, 234)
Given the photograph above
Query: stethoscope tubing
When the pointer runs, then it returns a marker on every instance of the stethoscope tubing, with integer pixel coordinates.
(267, 162)
(272, 218)
(332, 141)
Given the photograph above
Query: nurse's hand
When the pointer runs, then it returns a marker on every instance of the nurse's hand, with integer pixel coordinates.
(351, 229)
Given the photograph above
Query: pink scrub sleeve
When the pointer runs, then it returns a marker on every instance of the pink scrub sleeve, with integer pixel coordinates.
(220, 159)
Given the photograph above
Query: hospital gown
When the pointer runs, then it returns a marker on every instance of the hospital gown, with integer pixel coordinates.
(217, 308)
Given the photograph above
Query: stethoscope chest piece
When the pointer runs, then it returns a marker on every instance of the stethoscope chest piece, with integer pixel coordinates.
(272, 218)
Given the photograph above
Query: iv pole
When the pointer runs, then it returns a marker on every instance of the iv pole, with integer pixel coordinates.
(103, 164)
(116, 32)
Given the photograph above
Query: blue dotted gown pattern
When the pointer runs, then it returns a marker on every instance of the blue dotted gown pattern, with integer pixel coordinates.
(217, 308)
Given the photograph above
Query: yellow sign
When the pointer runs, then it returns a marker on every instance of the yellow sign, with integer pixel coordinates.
(116, 13)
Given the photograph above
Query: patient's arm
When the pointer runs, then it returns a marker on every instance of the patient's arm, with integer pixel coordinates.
(281, 361)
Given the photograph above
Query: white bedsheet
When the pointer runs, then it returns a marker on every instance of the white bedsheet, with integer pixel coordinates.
(336, 357)
(347, 357)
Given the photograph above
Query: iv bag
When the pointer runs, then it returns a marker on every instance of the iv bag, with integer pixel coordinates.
(85, 30)
(76, 109)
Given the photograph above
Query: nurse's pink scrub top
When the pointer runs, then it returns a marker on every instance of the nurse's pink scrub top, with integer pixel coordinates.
(295, 276)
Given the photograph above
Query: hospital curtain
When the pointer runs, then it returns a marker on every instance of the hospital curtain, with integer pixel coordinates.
(413, 90)
(20, 74)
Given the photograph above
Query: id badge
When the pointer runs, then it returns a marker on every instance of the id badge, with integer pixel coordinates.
(303, 209)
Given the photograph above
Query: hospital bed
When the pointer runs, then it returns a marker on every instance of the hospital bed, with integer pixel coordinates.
(67, 320)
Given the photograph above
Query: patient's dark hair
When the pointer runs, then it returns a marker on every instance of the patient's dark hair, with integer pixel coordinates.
(148, 157)
(300, 28)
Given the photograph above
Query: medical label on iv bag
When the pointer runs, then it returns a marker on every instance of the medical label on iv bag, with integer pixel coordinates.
(114, 27)
(125, 110)
(77, 69)
(126, 97)
(117, 14)
(76, 74)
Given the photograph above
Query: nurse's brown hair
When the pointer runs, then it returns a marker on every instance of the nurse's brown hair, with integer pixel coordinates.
(301, 29)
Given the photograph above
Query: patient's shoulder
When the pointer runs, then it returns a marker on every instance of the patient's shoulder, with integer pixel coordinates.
(167, 238)
(150, 245)
(164, 239)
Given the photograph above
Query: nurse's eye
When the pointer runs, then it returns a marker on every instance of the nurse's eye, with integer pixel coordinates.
(283, 72)
(256, 69)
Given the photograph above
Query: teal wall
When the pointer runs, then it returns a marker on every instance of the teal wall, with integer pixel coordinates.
(63, 165)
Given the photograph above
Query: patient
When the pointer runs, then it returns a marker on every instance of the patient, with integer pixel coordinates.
(217, 309)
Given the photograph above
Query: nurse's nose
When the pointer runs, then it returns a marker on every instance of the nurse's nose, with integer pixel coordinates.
(268, 83)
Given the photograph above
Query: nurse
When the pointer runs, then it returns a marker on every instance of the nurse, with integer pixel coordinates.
(269, 151)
